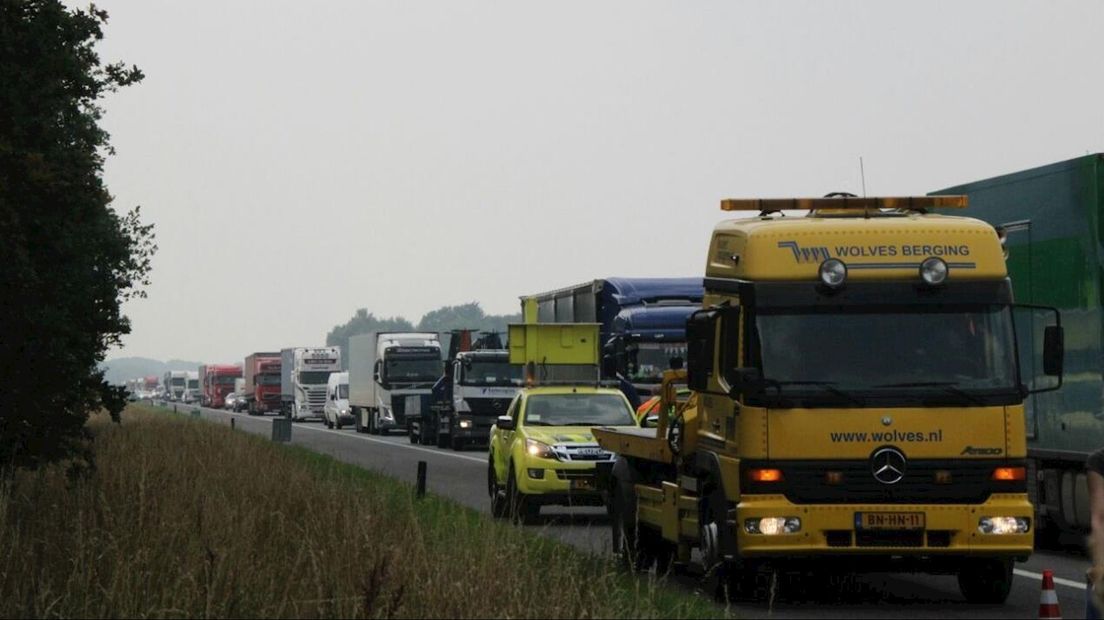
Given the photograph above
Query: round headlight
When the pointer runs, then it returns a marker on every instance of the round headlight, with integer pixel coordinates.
(933, 271)
(833, 273)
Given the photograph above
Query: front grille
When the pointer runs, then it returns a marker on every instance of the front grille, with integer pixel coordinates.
(575, 474)
(804, 482)
(589, 452)
(488, 406)
(889, 538)
(939, 538)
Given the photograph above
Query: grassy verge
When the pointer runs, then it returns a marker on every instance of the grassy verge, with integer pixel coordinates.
(188, 519)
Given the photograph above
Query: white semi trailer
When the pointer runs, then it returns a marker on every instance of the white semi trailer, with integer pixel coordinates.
(391, 373)
(304, 372)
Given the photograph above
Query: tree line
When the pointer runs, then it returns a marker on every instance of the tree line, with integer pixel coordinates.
(443, 319)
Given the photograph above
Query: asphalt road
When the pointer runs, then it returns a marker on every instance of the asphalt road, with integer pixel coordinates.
(461, 476)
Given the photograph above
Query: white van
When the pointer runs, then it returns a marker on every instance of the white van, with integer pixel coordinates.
(336, 412)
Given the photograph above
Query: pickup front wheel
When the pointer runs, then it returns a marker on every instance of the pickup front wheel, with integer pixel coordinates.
(498, 497)
(522, 508)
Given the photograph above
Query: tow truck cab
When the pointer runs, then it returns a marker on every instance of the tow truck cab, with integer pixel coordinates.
(857, 395)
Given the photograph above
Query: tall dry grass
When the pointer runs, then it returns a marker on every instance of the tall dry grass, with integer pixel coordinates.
(183, 518)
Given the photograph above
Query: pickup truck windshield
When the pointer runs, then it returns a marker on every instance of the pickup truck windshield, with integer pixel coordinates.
(946, 351)
(314, 377)
(578, 410)
(490, 373)
(412, 369)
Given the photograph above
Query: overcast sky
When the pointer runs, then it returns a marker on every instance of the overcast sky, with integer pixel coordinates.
(301, 160)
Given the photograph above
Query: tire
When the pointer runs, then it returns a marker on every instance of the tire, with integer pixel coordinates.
(372, 428)
(442, 440)
(522, 509)
(457, 444)
(414, 438)
(337, 423)
(498, 496)
(727, 579)
(637, 547)
(424, 438)
(986, 581)
(356, 421)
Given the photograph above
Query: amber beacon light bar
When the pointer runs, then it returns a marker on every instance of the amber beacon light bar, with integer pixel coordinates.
(903, 203)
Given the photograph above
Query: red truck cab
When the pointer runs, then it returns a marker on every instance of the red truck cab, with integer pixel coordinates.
(218, 383)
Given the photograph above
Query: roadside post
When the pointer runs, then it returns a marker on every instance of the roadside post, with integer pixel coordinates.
(421, 489)
(281, 429)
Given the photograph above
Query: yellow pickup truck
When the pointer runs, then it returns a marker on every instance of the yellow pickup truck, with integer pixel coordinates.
(543, 452)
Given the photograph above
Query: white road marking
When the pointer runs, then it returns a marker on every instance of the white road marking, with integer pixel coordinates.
(356, 435)
(1058, 581)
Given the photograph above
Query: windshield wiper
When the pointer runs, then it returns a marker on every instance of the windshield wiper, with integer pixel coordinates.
(949, 387)
(827, 386)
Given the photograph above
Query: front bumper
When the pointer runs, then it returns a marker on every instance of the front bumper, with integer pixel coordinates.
(949, 530)
(559, 482)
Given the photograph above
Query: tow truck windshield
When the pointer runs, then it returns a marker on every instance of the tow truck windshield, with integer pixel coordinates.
(578, 410)
(958, 353)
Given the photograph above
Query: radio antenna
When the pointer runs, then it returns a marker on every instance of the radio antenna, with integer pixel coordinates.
(862, 173)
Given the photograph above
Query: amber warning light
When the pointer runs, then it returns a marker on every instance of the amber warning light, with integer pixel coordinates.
(904, 203)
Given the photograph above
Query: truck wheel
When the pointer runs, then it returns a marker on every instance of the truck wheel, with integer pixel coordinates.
(457, 444)
(498, 498)
(442, 440)
(523, 509)
(986, 581)
(727, 579)
(373, 429)
(636, 547)
(411, 435)
(424, 437)
(356, 421)
(337, 423)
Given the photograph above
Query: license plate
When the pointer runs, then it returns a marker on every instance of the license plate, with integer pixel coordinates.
(582, 484)
(889, 521)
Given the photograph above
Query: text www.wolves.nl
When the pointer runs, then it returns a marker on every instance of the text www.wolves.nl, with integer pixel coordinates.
(889, 437)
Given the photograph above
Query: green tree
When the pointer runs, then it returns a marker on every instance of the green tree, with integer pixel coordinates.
(466, 316)
(363, 322)
(69, 260)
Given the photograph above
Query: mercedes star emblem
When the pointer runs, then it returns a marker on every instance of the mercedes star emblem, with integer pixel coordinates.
(888, 465)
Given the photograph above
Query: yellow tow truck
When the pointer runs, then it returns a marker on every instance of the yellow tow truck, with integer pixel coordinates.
(542, 452)
(858, 386)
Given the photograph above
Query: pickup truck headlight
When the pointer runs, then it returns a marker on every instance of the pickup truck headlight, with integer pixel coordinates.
(539, 449)
(344, 412)
(465, 423)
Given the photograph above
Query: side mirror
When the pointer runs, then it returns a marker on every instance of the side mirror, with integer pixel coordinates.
(1053, 350)
(744, 380)
(505, 423)
(701, 336)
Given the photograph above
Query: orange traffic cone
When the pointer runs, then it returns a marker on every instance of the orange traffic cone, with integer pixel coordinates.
(1048, 600)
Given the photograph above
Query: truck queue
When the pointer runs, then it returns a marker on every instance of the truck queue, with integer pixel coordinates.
(857, 387)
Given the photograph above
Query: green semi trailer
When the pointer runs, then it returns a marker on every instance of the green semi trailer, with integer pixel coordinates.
(1051, 222)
